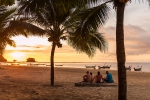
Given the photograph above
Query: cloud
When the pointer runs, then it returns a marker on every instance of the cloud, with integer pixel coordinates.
(136, 40)
(26, 46)
(41, 49)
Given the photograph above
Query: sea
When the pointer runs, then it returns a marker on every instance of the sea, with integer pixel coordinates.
(145, 65)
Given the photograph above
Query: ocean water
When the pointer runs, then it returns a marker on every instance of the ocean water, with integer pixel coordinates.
(145, 66)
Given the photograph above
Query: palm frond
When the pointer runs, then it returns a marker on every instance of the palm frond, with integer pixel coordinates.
(23, 28)
(42, 19)
(98, 40)
(7, 2)
(80, 45)
(6, 17)
(30, 6)
(4, 40)
(49, 15)
(89, 44)
(51, 19)
(92, 18)
(96, 17)
(13, 26)
(2, 9)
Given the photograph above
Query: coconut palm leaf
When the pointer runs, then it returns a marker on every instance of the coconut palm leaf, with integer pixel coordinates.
(13, 26)
(4, 41)
(10, 27)
(23, 28)
(50, 19)
(89, 43)
(40, 19)
(2, 9)
(51, 15)
(98, 40)
(6, 2)
(92, 18)
(6, 17)
(30, 6)
(80, 46)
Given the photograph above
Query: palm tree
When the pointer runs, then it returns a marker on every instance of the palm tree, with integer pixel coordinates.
(60, 24)
(120, 49)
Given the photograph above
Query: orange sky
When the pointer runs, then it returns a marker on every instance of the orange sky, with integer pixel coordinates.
(137, 35)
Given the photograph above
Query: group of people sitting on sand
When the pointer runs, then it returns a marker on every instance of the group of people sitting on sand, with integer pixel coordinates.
(98, 78)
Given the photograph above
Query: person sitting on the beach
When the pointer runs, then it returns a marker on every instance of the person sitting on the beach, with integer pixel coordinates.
(109, 78)
(98, 78)
(87, 77)
(91, 77)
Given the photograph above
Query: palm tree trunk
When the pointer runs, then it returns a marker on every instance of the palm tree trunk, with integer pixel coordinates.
(121, 53)
(52, 63)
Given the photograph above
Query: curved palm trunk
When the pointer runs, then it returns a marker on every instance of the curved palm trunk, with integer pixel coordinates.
(121, 53)
(52, 63)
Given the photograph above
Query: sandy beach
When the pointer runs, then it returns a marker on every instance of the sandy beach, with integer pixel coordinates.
(33, 83)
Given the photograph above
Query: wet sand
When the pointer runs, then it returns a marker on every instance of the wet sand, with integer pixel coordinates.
(33, 83)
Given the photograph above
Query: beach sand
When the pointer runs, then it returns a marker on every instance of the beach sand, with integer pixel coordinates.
(33, 83)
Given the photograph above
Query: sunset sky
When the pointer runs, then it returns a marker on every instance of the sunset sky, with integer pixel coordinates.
(137, 41)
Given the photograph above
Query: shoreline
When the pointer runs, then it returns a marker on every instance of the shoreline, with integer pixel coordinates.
(32, 66)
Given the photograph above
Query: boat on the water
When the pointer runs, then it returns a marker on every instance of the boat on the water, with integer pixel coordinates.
(94, 66)
(59, 65)
(128, 68)
(41, 64)
(105, 66)
(34, 64)
(138, 69)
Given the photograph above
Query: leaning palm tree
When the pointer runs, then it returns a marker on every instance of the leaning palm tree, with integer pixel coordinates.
(61, 24)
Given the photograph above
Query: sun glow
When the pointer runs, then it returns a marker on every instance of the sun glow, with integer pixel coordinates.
(17, 55)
